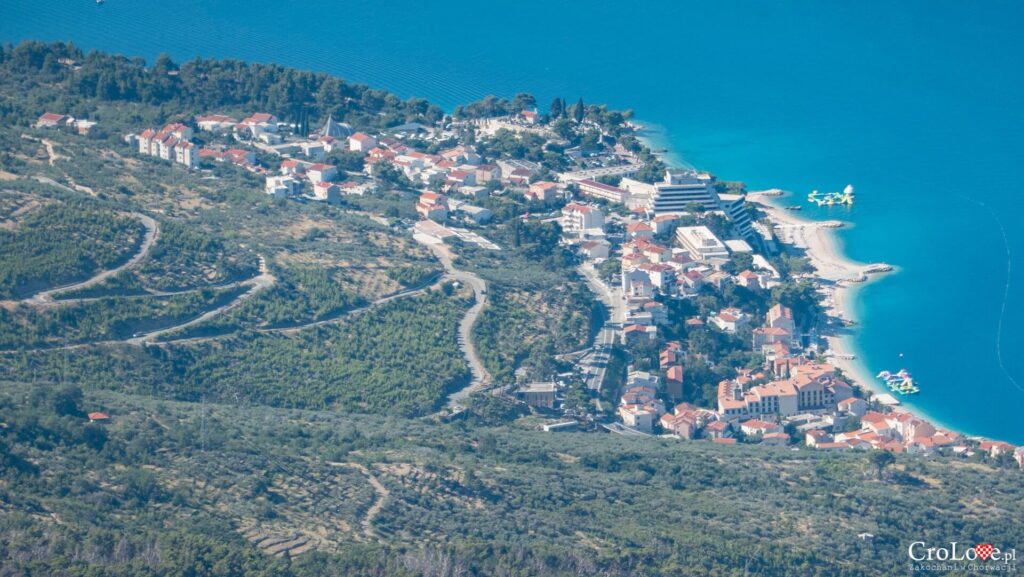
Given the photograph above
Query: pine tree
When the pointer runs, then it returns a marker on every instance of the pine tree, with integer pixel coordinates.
(579, 111)
(557, 109)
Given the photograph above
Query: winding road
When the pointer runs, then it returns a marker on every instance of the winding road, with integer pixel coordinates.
(481, 377)
(45, 298)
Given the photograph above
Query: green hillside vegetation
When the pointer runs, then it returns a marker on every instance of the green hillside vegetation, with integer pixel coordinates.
(59, 243)
(306, 420)
(176, 489)
(400, 358)
(105, 318)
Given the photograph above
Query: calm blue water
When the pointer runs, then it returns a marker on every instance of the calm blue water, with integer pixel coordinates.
(915, 103)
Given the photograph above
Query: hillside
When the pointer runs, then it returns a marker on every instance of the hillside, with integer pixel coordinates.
(274, 374)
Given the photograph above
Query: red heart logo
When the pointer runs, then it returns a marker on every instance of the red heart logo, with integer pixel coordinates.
(984, 551)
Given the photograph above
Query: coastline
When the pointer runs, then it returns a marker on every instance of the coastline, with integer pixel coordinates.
(822, 247)
(820, 244)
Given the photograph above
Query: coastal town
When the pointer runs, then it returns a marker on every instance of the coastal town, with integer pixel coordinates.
(656, 252)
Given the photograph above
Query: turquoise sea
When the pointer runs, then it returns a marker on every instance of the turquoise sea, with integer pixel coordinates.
(917, 103)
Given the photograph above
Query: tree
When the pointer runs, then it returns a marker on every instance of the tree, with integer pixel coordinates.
(68, 402)
(523, 101)
(880, 460)
(557, 109)
(579, 111)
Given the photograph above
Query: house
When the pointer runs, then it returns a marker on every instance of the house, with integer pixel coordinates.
(98, 417)
(433, 206)
(674, 381)
(756, 427)
(577, 218)
(663, 223)
(853, 406)
(327, 191)
(314, 150)
(731, 320)
(292, 167)
(750, 280)
(816, 437)
(776, 439)
(767, 337)
(594, 249)
(321, 173)
(717, 430)
(257, 124)
(215, 123)
(283, 186)
(636, 417)
(781, 317)
(361, 142)
(639, 230)
(636, 284)
(529, 116)
(486, 173)
(542, 191)
(538, 394)
(638, 333)
(50, 120)
(240, 156)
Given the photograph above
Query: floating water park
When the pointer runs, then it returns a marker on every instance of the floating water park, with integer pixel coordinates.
(901, 382)
(832, 198)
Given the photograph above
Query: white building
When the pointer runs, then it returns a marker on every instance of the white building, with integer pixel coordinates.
(577, 218)
(681, 188)
(701, 243)
(283, 186)
(595, 189)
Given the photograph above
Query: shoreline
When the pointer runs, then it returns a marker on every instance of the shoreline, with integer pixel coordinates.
(820, 244)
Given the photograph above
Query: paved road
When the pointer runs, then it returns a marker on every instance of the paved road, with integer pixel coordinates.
(481, 377)
(595, 363)
(152, 233)
(258, 283)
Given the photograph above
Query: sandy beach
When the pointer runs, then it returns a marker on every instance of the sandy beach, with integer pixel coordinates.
(842, 277)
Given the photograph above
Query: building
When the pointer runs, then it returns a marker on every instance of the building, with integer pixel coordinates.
(735, 207)
(258, 124)
(636, 284)
(636, 417)
(327, 191)
(215, 123)
(674, 381)
(283, 186)
(321, 173)
(780, 316)
(595, 189)
(639, 229)
(98, 417)
(334, 130)
(639, 333)
(542, 191)
(361, 142)
(171, 143)
(681, 189)
(731, 320)
(51, 120)
(701, 243)
(538, 394)
(853, 406)
(433, 206)
(577, 218)
(595, 249)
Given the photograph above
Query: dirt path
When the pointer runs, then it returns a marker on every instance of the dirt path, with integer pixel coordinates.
(382, 496)
(481, 377)
(152, 233)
